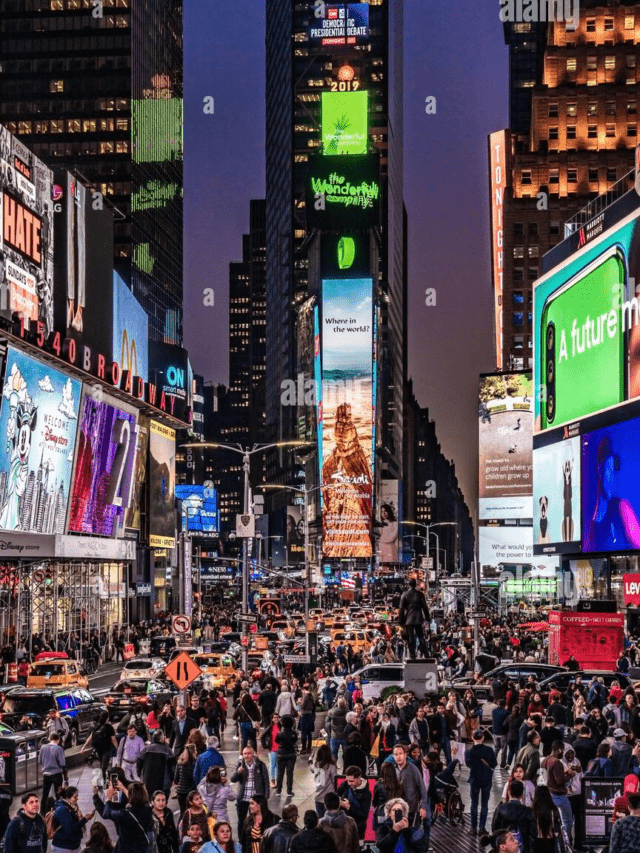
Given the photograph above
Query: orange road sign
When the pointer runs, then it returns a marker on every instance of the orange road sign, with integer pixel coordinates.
(182, 671)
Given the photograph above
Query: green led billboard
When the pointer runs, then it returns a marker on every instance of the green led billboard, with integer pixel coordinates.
(344, 122)
(156, 130)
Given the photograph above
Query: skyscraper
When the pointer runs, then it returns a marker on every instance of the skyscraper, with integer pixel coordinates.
(573, 131)
(97, 87)
(317, 53)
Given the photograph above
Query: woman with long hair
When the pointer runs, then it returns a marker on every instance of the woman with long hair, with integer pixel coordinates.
(257, 820)
(166, 830)
(183, 777)
(98, 841)
(324, 771)
(217, 793)
(387, 732)
(69, 822)
(222, 841)
(268, 741)
(518, 773)
(198, 740)
(195, 813)
(130, 811)
(547, 822)
(247, 715)
(387, 787)
(471, 711)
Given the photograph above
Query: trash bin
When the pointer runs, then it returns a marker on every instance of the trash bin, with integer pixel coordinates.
(19, 766)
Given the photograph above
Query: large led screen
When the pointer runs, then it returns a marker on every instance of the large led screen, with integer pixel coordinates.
(344, 122)
(199, 509)
(26, 235)
(130, 331)
(162, 482)
(104, 468)
(343, 24)
(295, 533)
(38, 420)
(506, 435)
(132, 516)
(587, 332)
(556, 497)
(610, 488)
(347, 421)
(504, 544)
(344, 192)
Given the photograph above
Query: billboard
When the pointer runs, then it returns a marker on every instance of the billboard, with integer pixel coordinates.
(132, 515)
(344, 191)
(26, 235)
(343, 25)
(556, 497)
(610, 495)
(344, 123)
(130, 331)
(500, 543)
(498, 179)
(506, 429)
(347, 417)
(38, 419)
(162, 481)
(156, 128)
(103, 474)
(170, 369)
(388, 518)
(295, 533)
(345, 254)
(199, 509)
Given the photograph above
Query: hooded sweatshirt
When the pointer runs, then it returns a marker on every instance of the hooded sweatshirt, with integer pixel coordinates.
(342, 829)
(26, 834)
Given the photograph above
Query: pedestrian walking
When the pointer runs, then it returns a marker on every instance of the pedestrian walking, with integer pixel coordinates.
(53, 767)
(625, 835)
(27, 832)
(286, 739)
(165, 825)
(130, 811)
(481, 761)
(128, 753)
(155, 765)
(252, 777)
(68, 822)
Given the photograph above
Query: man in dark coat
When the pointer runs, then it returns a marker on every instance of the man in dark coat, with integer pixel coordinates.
(181, 729)
(155, 765)
(413, 613)
(277, 838)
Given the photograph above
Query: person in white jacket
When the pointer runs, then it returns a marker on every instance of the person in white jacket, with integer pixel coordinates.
(286, 703)
(217, 793)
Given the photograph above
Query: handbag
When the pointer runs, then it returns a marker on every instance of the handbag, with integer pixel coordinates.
(374, 752)
(417, 837)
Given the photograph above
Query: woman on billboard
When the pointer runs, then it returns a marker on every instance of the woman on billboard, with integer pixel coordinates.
(388, 535)
(614, 525)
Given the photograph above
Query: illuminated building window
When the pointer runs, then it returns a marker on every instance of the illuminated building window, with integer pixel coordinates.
(89, 125)
(591, 25)
(73, 125)
(610, 129)
(106, 148)
(522, 28)
(107, 104)
(56, 5)
(518, 318)
(42, 126)
(56, 85)
(122, 146)
(518, 297)
(526, 176)
(572, 110)
(25, 127)
(57, 126)
(592, 108)
(122, 21)
(554, 177)
(592, 131)
(609, 62)
(610, 109)
(571, 65)
(632, 130)
(518, 251)
(572, 176)
(533, 251)
(629, 22)
(631, 107)
(553, 133)
(122, 124)
(592, 63)
(553, 111)
(608, 23)
(106, 124)
(571, 131)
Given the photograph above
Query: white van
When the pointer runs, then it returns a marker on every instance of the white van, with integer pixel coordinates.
(419, 676)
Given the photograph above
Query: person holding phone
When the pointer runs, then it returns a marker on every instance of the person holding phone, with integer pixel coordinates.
(396, 828)
(68, 822)
(130, 811)
(217, 793)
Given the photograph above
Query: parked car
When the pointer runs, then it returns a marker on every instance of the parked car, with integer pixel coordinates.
(513, 671)
(132, 693)
(78, 706)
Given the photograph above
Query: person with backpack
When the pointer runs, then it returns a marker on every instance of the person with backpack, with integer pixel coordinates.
(27, 832)
(601, 766)
(131, 813)
(516, 817)
(66, 826)
(103, 741)
(53, 766)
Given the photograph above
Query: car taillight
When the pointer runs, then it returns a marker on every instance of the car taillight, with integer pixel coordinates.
(108, 700)
(143, 699)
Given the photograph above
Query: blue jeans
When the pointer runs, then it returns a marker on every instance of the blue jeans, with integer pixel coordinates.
(335, 746)
(482, 793)
(306, 730)
(564, 807)
(273, 766)
(248, 735)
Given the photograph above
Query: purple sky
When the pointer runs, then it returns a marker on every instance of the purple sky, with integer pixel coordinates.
(454, 51)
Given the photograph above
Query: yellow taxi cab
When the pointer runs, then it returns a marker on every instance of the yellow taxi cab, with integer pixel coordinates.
(56, 672)
(358, 640)
(218, 670)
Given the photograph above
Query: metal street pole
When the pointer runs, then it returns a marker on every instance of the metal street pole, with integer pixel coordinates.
(246, 459)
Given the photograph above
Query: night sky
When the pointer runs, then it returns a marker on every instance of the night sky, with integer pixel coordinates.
(454, 51)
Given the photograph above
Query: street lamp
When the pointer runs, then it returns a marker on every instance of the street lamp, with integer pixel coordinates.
(429, 533)
(246, 454)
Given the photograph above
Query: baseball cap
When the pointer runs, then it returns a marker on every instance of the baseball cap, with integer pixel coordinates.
(619, 733)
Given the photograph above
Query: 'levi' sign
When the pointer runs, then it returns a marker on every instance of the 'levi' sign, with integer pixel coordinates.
(631, 588)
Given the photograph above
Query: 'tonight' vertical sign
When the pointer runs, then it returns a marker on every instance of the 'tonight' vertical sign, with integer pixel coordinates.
(498, 184)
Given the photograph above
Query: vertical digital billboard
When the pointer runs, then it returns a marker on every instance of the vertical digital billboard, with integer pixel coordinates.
(556, 497)
(130, 331)
(347, 417)
(388, 517)
(344, 122)
(343, 25)
(199, 509)
(134, 511)
(295, 533)
(344, 191)
(39, 419)
(162, 482)
(26, 235)
(498, 181)
(105, 463)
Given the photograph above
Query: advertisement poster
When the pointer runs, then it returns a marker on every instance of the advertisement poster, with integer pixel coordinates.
(295, 533)
(199, 509)
(38, 421)
(26, 235)
(343, 24)
(594, 638)
(388, 517)
(610, 496)
(103, 477)
(344, 191)
(130, 331)
(499, 176)
(556, 497)
(631, 590)
(505, 425)
(162, 480)
(344, 122)
(347, 422)
(506, 508)
(598, 797)
(132, 515)
(504, 544)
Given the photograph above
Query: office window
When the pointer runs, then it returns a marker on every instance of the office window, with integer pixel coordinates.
(56, 85)
(89, 125)
(571, 131)
(592, 63)
(611, 174)
(518, 251)
(610, 109)
(593, 175)
(591, 25)
(632, 130)
(571, 65)
(592, 108)
(518, 297)
(554, 176)
(609, 62)
(518, 274)
(553, 111)
(610, 129)
(518, 318)
(608, 24)
(553, 133)
(631, 107)
(518, 229)
(533, 273)
(526, 176)
(631, 60)
(572, 176)
(532, 229)
(106, 147)
(629, 22)
(554, 228)
(518, 341)
(592, 131)
(533, 251)
(572, 110)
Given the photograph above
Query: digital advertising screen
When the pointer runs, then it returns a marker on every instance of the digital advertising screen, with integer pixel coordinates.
(344, 123)
(345, 254)
(199, 509)
(343, 25)
(501, 543)
(505, 423)
(347, 417)
(162, 482)
(39, 420)
(556, 497)
(344, 191)
(105, 462)
(130, 331)
(610, 493)
(388, 517)
(295, 533)
(132, 515)
(495, 509)
(170, 369)
(599, 797)
(587, 329)
(26, 236)
(156, 129)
